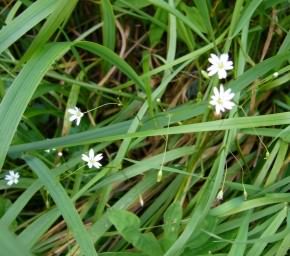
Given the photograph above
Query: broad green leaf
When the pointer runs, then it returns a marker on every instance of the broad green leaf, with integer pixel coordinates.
(128, 225)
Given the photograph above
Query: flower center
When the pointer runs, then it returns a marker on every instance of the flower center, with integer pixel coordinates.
(221, 65)
(220, 101)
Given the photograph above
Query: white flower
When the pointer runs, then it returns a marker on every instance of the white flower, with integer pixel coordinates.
(221, 99)
(76, 114)
(275, 74)
(220, 195)
(92, 160)
(220, 65)
(12, 177)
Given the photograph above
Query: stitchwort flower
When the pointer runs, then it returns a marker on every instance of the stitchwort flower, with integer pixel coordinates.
(75, 115)
(220, 65)
(92, 159)
(12, 178)
(221, 99)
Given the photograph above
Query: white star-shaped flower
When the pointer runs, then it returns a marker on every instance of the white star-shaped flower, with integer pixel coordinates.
(221, 99)
(220, 65)
(12, 178)
(75, 114)
(92, 159)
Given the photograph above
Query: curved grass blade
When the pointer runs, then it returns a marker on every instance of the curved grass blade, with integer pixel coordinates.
(21, 91)
(112, 58)
(10, 245)
(64, 204)
(108, 29)
(59, 16)
(35, 13)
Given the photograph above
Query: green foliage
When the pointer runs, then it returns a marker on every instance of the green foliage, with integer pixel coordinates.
(176, 179)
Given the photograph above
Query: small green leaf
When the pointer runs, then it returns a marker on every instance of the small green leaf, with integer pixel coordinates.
(128, 224)
(172, 219)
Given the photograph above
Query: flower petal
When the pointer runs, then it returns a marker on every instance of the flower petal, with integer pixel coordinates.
(213, 59)
(78, 120)
(85, 158)
(91, 153)
(224, 57)
(222, 74)
(98, 157)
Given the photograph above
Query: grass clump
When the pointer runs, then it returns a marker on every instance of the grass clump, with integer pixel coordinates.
(133, 128)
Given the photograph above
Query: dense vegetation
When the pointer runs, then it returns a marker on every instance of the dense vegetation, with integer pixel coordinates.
(144, 128)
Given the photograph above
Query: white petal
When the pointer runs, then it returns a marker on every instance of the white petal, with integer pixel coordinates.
(222, 73)
(224, 57)
(222, 108)
(85, 158)
(228, 65)
(90, 164)
(228, 105)
(7, 177)
(91, 154)
(228, 95)
(216, 92)
(214, 59)
(217, 109)
(10, 182)
(97, 165)
(78, 120)
(73, 117)
(213, 102)
(98, 157)
(72, 111)
(212, 70)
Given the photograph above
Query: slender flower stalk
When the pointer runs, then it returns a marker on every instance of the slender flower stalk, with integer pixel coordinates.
(76, 114)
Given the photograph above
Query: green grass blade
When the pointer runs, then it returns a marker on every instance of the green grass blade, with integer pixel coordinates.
(108, 29)
(10, 245)
(64, 204)
(238, 248)
(60, 15)
(258, 248)
(179, 15)
(107, 134)
(35, 13)
(237, 205)
(246, 15)
(19, 94)
(112, 58)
